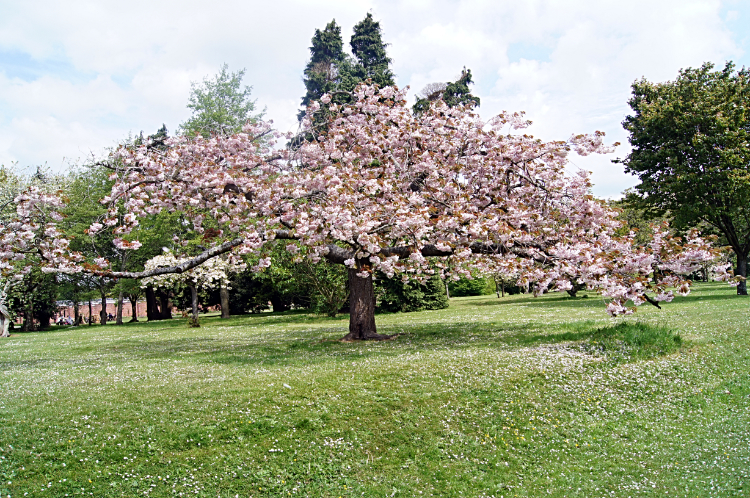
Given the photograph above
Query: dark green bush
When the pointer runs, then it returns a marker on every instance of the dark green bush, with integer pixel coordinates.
(393, 295)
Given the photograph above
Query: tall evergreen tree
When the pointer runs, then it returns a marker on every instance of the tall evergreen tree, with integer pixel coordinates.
(369, 51)
(323, 72)
(331, 70)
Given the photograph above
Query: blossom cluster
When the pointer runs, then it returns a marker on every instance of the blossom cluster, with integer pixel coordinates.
(33, 237)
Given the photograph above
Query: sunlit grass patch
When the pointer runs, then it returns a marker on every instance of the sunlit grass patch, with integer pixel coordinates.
(626, 341)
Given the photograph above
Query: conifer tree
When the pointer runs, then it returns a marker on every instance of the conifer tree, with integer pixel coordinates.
(323, 72)
(369, 50)
(453, 94)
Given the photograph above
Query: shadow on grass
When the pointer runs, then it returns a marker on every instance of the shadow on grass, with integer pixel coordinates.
(312, 351)
(300, 345)
(563, 301)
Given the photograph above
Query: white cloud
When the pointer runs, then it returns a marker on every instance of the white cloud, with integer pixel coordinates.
(129, 65)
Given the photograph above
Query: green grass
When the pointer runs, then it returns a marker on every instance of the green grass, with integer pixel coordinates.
(491, 397)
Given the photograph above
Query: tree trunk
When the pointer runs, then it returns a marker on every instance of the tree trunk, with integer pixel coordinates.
(28, 316)
(4, 325)
(43, 318)
(361, 308)
(224, 296)
(278, 304)
(4, 316)
(742, 271)
(194, 303)
(134, 306)
(120, 302)
(447, 290)
(103, 311)
(91, 318)
(76, 313)
(166, 309)
(152, 311)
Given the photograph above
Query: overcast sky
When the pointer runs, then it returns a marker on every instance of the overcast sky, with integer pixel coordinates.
(76, 77)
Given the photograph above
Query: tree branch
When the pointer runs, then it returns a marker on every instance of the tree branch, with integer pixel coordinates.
(181, 268)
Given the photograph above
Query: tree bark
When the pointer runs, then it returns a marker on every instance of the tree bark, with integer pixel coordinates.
(194, 302)
(152, 311)
(134, 306)
(43, 319)
(362, 308)
(121, 294)
(224, 297)
(120, 303)
(76, 313)
(91, 318)
(278, 304)
(166, 309)
(103, 311)
(28, 316)
(4, 315)
(742, 271)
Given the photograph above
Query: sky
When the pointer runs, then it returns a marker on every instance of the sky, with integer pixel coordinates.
(78, 77)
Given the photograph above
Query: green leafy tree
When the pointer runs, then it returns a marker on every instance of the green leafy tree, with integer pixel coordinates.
(86, 187)
(477, 286)
(35, 299)
(220, 105)
(393, 295)
(690, 151)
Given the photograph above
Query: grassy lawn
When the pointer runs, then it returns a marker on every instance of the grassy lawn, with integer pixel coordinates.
(491, 397)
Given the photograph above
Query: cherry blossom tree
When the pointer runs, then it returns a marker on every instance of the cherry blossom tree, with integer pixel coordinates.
(382, 189)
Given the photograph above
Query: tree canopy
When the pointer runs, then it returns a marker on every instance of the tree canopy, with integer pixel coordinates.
(220, 105)
(690, 151)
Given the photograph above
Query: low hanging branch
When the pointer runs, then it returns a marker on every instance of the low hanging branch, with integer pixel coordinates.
(179, 268)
